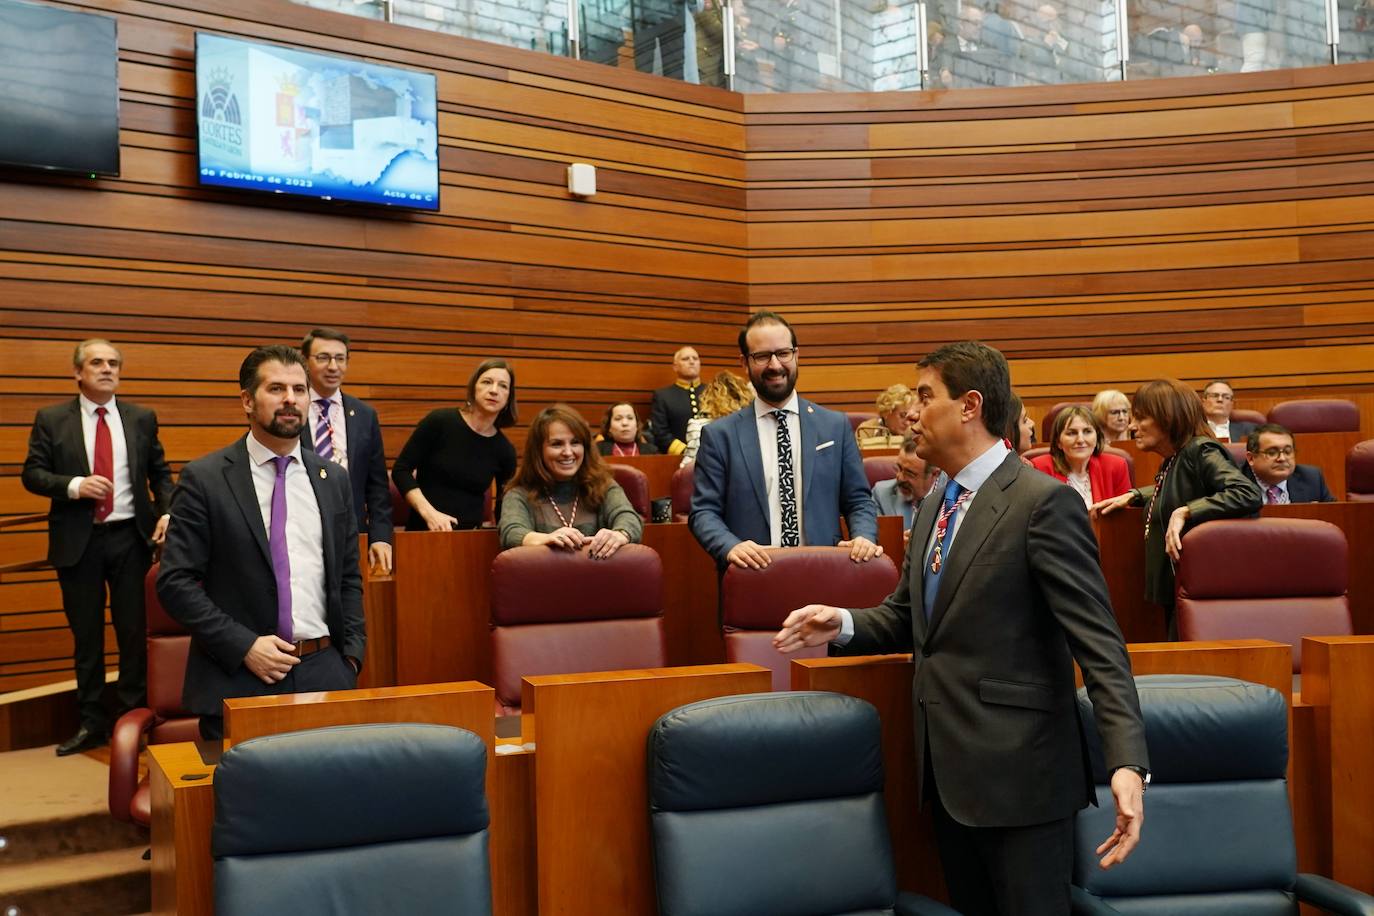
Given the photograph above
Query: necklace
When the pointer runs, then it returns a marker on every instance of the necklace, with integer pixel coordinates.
(1159, 485)
(572, 513)
(617, 450)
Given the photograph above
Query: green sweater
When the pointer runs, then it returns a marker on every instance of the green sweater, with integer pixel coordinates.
(520, 515)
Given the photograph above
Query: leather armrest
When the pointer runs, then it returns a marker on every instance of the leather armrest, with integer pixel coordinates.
(1332, 897)
(1085, 904)
(125, 743)
(916, 905)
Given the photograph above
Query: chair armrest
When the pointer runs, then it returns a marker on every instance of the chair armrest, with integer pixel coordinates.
(1333, 897)
(1085, 904)
(916, 905)
(125, 742)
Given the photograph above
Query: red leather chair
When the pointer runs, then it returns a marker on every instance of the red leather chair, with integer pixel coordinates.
(754, 602)
(1317, 416)
(1047, 424)
(1031, 454)
(1269, 578)
(1237, 450)
(1359, 472)
(858, 417)
(681, 487)
(879, 469)
(560, 612)
(635, 483)
(162, 721)
(1124, 455)
(1249, 416)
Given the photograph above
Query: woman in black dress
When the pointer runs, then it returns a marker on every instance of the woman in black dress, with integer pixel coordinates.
(447, 467)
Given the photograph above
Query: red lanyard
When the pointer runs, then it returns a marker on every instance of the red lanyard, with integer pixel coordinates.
(1159, 485)
(572, 512)
(941, 524)
(617, 450)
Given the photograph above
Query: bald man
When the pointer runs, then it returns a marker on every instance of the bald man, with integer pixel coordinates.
(675, 404)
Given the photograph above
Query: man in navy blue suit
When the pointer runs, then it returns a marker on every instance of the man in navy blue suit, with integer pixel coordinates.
(1271, 461)
(782, 471)
(345, 430)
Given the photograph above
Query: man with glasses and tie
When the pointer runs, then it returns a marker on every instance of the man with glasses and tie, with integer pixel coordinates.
(261, 558)
(782, 471)
(1218, 399)
(1001, 593)
(1271, 461)
(342, 429)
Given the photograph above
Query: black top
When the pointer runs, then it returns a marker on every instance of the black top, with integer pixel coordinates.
(672, 407)
(453, 465)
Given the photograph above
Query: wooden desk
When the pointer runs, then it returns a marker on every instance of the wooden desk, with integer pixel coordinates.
(183, 808)
(1325, 450)
(590, 788)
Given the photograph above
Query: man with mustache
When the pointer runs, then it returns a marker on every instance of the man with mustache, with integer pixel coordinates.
(781, 471)
(1271, 461)
(261, 558)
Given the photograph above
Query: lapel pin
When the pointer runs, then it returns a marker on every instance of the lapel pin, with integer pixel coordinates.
(350, 413)
(323, 473)
(810, 409)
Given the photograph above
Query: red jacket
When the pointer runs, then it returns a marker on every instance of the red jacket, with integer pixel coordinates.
(1107, 474)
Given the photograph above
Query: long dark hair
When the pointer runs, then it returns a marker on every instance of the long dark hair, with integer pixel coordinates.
(594, 477)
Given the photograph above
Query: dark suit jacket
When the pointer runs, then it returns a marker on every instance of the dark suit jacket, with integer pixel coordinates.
(668, 415)
(57, 453)
(366, 468)
(730, 501)
(216, 577)
(1307, 485)
(1021, 598)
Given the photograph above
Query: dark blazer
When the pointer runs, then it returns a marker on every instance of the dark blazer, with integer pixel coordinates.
(1307, 485)
(57, 453)
(1021, 599)
(730, 500)
(366, 468)
(216, 577)
(1206, 480)
(671, 408)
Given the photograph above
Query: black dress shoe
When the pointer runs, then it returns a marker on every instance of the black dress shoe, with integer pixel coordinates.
(85, 738)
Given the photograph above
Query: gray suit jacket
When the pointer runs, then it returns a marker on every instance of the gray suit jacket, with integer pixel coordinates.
(1021, 599)
(890, 501)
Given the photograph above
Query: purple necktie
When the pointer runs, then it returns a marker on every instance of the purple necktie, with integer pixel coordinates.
(324, 432)
(276, 541)
(1275, 494)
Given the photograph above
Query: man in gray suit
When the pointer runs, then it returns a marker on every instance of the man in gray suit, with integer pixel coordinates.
(1000, 594)
(902, 494)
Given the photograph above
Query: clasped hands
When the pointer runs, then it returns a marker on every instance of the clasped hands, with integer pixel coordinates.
(600, 546)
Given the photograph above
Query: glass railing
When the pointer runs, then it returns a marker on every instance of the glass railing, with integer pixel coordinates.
(879, 45)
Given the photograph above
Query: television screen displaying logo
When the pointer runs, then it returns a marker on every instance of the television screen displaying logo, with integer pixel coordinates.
(294, 122)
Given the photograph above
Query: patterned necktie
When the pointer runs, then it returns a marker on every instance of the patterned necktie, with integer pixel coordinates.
(281, 558)
(1274, 495)
(104, 462)
(787, 489)
(324, 432)
(955, 497)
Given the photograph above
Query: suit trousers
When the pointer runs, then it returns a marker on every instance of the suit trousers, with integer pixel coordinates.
(118, 557)
(323, 670)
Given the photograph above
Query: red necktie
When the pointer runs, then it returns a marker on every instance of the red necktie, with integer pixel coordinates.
(104, 462)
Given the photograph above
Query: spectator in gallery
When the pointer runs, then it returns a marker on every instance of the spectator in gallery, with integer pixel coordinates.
(621, 434)
(564, 496)
(675, 404)
(1271, 461)
(450, 462)
(902, 494)
(1113, 412)
(1076, 457)
(894, 418)
(722, 396)
(1218, 399)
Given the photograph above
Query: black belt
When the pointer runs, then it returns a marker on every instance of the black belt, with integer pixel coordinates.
(115, 526)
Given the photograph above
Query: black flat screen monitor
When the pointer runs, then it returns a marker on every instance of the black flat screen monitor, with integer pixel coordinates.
(289, 121)
(59, 89)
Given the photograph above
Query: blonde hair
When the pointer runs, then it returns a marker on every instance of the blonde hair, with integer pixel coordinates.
(895, 396)
(1102, 402)
(723, 395)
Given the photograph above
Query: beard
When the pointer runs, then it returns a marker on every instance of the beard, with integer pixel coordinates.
(774, 386)
(286, 423)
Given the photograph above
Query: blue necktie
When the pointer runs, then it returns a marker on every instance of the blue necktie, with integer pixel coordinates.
(931, 583)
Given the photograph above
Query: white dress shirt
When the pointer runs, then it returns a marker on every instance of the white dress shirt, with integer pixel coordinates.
(768, 453)
(1284, 498)
(123, 483)
(304, 535)
(337, 426)
(1220, 430)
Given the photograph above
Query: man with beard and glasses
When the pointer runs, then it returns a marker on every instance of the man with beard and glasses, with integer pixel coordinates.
(780, 472)
(261, 558)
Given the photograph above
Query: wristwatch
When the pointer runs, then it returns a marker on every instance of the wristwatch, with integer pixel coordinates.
(1143, 773)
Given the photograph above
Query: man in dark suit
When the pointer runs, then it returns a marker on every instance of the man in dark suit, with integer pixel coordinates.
(97, 458)
(345, 430)
(675, 404)
(261, 559)
(781, 471)
(1000, 594)
(1218, 400)
(1270, 461)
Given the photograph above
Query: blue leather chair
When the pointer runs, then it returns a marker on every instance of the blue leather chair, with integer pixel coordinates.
(361, 819)
(747, 794)
(1218, 835)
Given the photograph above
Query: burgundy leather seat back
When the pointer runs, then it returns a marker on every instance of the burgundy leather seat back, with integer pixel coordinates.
(858, 418)
(1359, 472)
(1047, 424)
(880, 468)
(1031, 454)
(683, 483)
(754, 602)
(1123, 455)
(559, 612)
(1270, 578)
(635, 483)
(1321, 415)
(1249, 416)
(1237, 450)
(168, 646)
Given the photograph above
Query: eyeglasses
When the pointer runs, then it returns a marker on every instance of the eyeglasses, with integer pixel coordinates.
(1219, 396)
(1286, 451)
(1119, 412)
(324, 359)
(785, 356)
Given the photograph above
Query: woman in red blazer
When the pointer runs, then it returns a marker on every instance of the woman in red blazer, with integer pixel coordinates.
(1076, 457)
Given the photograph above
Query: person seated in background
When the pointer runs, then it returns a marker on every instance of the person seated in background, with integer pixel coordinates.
(621, 433)
(722, 396)
(894, 419)
(1076, 457)
(564, 496)
(450, 461)
(675, 404)
(1113, 412)
(1020, 437)
(1271, 461)
(902, 494)
(1218, 398)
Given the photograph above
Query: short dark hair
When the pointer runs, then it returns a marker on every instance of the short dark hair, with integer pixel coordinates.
(271, 353)
(507, 416)
(758, 318)
(1174, 406)
(322, 334)
(606, 421)
(1276, 429)
(972, 365)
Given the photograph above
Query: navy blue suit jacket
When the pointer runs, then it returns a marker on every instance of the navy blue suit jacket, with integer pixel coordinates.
(1307, 485)
(730, 502)
(366, 468)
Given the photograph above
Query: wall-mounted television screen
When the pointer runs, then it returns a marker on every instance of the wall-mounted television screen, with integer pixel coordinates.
(294, 122)
(59, 89)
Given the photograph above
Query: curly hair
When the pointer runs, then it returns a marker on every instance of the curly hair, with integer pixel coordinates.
(723, 395)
